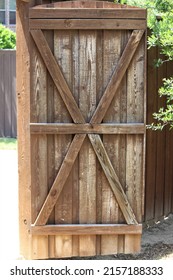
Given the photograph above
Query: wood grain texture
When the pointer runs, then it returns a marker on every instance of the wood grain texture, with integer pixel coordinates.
(49, 35)
(101, 13)
(69, 128)
(23, 107)
(57, 76)
(60, 180)
(85, 229)
(132, 244)
(112, 178)
(66, 24)
(87, 158)
(117, 76)
(39, 182)
(63, 207)
(111, 55)
(86, 81)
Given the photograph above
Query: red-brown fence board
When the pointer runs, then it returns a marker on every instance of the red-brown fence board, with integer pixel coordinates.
(159, 183)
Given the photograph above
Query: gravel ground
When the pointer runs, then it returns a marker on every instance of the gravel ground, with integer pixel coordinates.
(157, 241)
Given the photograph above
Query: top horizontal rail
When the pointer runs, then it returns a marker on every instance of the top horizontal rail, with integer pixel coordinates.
(87, 13)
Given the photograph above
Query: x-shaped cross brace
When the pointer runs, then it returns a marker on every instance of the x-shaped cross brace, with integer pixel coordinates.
(78, 118)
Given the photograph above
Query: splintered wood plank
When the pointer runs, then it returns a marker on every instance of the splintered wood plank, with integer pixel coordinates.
(65, 24)
(39, 181)
(57, 76)
(105, 229)
(111, 56)
(87, 158)
(63, 207)
(112, 178)
(117, 76)
(60, 180)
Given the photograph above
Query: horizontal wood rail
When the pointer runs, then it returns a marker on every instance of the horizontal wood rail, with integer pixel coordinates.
(106, 128)
(87, 24)
(48, 12)
(83, 229)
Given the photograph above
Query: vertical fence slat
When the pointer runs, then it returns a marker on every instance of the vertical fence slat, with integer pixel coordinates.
(159, 174)
(151, 139)
(2, 95)
(168, 191)
(8, 93)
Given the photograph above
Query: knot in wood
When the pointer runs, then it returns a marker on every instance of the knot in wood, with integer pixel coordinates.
(67, 23)
(53, 193)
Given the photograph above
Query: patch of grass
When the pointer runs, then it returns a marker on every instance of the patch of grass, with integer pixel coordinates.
(8, 144)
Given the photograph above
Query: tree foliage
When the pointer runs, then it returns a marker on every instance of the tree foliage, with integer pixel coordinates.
(7, 38)
(160, 22)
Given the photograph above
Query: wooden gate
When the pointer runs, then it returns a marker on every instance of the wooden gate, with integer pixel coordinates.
(87, 128)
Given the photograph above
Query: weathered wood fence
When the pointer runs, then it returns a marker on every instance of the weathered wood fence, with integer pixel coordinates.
(85, 75)
(8, 93)
(159, 145)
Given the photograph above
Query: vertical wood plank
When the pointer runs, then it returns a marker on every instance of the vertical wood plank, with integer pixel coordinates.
(13, 94)
(39, 181)
(2, 95)
(160, 146)
(134, 156)
(23, 104)
(63, 208)
(168, 197)
(151, 136)
(49, 35)
(7, 97)
(132, 243)
(99, 93)
(75, 170)
(87, 158)
(111, 55)
(122, 145)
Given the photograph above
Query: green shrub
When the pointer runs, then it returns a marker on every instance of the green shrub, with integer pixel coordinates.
(7, 38)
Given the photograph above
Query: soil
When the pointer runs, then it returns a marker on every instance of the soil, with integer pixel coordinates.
(157, 243)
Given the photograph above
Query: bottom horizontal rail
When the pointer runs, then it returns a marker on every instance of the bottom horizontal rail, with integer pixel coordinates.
(86, 229)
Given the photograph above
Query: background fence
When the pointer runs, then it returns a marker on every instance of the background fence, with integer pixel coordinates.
(8, 93)
(159, 152)
(159, 145)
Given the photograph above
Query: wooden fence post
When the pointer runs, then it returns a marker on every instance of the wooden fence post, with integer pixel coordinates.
(23, 99)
